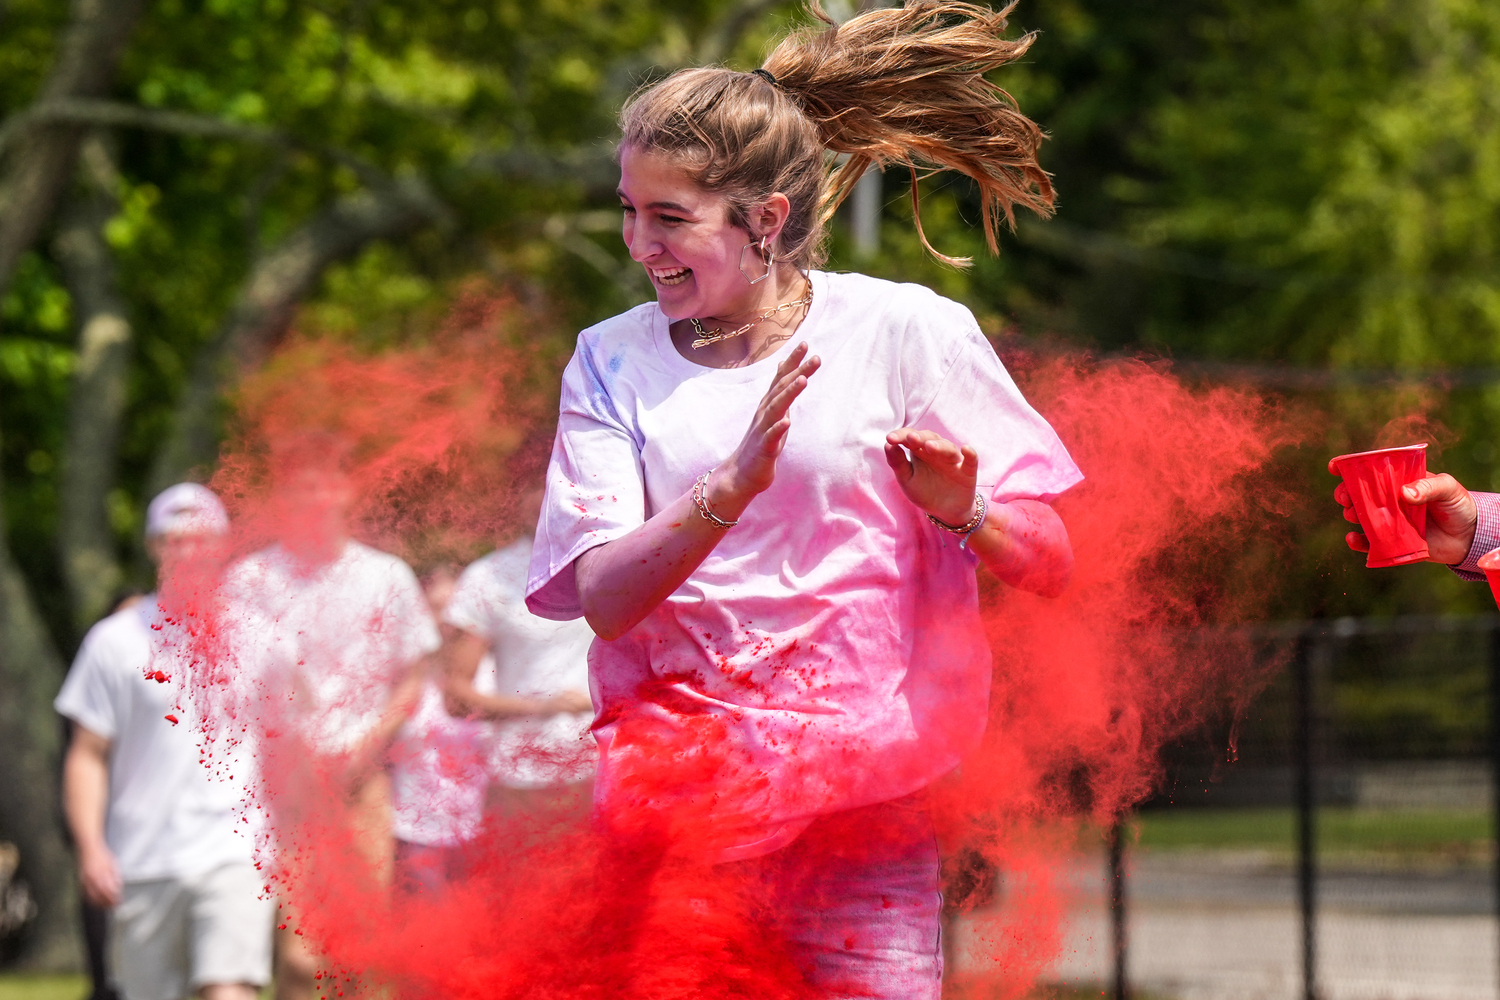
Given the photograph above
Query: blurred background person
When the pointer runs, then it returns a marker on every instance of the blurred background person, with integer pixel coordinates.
(439, 772)
(543, 755)
(95, 919)
(155, 832)
(334, 633)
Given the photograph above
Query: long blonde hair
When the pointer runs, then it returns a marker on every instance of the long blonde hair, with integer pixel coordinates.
(897, 86)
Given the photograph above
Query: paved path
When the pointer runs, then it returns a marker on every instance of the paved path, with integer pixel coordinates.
(1226, 927)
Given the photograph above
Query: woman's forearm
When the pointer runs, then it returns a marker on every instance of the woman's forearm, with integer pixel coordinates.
(1025, 544)
(623, 581)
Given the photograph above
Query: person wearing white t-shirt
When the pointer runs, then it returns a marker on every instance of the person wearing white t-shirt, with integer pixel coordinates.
(334, 634)
(540, 697)
(510, 708)
(770, 488)
(158, 837)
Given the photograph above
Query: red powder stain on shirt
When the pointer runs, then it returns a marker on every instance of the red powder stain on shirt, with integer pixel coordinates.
(171, 718)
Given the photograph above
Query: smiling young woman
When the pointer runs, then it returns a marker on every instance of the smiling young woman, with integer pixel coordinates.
(770, 488)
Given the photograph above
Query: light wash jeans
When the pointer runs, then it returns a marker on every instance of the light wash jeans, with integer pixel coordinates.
(857, 899)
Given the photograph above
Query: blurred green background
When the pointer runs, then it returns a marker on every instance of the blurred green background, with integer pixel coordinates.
(1300, 196)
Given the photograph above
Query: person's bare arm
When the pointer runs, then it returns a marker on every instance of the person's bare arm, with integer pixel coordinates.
(1023, 542)
(1452, 517)
(85, 800)
(462, 651)
(367, 755)
(623, 581)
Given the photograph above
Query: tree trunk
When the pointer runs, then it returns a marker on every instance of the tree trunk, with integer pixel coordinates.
(42, 166)
(30, 739)
(91, 567)
(279, 279)
(38, 171)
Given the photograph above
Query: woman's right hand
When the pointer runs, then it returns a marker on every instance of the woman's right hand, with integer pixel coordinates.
(751, 468)
(1452, 517)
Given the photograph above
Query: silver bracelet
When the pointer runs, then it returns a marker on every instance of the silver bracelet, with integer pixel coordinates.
(968, 527)
(700, 500)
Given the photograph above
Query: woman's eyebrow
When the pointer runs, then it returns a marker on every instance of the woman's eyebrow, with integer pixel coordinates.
(671, 206)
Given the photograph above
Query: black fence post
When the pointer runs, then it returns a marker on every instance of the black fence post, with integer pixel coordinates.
(1495, 766)
(1310, 649)
(1118, 936)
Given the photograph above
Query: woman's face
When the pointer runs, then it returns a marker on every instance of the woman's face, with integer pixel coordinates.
(681, 234)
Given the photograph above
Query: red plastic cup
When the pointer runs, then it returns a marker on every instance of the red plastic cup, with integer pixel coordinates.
(1397, 532)
(1490, 563)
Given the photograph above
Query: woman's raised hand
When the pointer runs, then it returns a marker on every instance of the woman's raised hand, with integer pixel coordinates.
(751, 469)
(939, 476)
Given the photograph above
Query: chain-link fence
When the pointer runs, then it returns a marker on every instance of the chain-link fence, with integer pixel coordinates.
(1348, 852)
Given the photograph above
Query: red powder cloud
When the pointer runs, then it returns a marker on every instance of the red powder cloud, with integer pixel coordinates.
(1087, 687)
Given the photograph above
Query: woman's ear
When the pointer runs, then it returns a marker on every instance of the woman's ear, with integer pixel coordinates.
(770, 216)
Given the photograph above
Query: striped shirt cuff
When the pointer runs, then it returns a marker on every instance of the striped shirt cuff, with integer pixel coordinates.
(1486, 535)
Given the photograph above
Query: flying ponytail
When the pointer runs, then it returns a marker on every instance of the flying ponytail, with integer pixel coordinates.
(895, 86)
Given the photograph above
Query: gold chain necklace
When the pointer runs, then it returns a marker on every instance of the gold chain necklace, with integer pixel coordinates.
(706, 337)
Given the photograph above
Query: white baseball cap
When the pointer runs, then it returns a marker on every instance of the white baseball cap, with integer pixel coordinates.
(186, 508)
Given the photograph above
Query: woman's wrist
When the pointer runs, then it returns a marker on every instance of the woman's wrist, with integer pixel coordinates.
(957, 513)
(727, 499)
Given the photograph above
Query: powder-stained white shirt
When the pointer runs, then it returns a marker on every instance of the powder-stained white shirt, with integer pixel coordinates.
(325, 646)
(440, 769)
(828, 653)
(534, 658)
(168, 817)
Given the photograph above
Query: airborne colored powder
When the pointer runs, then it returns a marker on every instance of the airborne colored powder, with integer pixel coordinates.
(441, 441)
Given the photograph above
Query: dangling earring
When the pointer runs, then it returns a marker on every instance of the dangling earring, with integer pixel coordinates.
(766, 255)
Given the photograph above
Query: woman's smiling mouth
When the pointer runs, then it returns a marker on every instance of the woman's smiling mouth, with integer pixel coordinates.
(671, 275)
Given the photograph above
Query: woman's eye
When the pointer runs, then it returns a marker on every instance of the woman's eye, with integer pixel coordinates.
(671, 220)
(627, 209)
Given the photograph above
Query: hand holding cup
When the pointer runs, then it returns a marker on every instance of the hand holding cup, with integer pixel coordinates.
(1440, 512)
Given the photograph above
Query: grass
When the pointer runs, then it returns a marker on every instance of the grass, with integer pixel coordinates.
(26, 986)
(1446, 832)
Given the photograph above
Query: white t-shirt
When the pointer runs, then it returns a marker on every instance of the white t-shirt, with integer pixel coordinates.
(534, 658)
(167, 817)
(440, 769)
(828, 653)
(325, 646)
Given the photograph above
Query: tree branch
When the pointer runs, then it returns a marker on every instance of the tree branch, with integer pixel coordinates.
(279, 279)
(119, 114)
(42, 167)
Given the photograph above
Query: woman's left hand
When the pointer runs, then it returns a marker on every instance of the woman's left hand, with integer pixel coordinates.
(939, 476)
(1023, 542)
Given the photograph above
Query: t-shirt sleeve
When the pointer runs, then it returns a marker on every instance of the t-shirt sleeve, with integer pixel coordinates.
(89, 696)
(958, 388)
(475, 600)
(595, 487)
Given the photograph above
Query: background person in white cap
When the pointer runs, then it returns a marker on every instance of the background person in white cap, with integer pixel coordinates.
(335, 635)
(155, 832)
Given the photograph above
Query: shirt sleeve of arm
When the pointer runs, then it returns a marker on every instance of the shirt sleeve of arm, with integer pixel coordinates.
(1486, 535)
(595, 487)
(971, 399)
(475, 599)
(88, 696)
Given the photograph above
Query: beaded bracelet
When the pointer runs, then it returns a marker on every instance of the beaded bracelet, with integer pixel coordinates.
(700, 500)
(968, 527)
